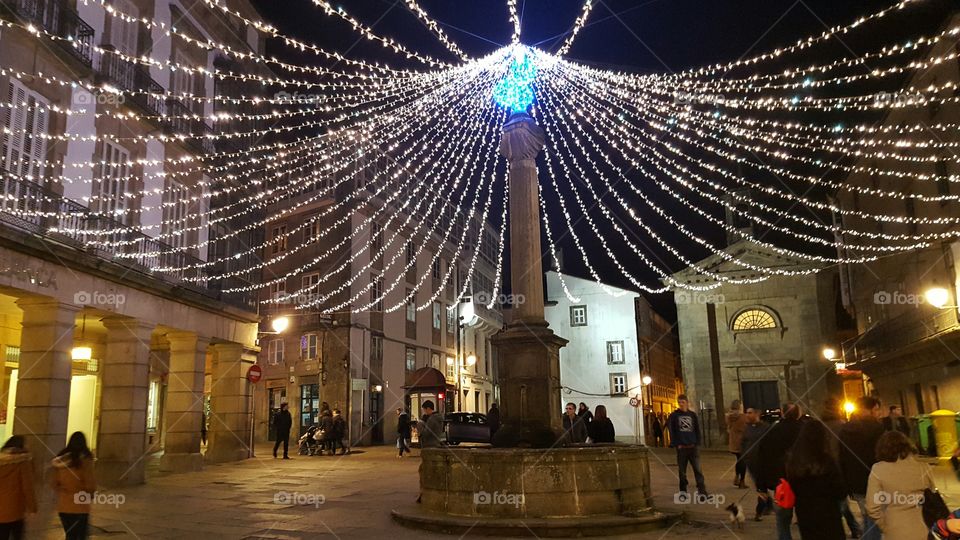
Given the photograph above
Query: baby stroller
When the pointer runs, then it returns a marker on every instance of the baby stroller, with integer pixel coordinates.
(310, 442)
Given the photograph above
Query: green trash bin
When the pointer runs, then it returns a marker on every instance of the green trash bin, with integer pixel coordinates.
(923, 431)
(945, 431)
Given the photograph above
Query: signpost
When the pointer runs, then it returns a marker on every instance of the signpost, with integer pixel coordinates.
(254, 374)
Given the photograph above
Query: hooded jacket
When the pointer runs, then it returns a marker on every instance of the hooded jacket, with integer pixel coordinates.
(75, 486)
(17, 496)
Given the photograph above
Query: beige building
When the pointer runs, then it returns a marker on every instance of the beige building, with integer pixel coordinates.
(109, 322)
(907, 348)
(365, 359)
(760, 343)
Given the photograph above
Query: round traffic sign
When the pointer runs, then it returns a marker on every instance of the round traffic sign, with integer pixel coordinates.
(255, 373)
(634, 402)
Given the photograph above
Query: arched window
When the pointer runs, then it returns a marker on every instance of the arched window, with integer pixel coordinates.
(753, 319)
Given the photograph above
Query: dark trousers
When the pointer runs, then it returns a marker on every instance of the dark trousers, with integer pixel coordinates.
(741, 467)
(402, 445)
(75, 525)
(12, 530)
(691, 456)
(282, 437)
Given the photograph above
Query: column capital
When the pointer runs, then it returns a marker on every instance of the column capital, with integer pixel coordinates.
(129, 325)
(39, 303)
(183, 339)
(522, 140)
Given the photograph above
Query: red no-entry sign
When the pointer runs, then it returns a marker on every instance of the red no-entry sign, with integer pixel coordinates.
(255, 373)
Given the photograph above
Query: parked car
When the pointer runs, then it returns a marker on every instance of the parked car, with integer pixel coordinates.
(467, 427)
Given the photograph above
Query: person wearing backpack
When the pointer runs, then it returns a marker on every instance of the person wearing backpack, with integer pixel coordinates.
(772, 460)
(817, 485)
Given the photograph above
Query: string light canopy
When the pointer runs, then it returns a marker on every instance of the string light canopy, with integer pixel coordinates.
(646, 174)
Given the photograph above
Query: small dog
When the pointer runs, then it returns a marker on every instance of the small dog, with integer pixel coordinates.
(736, 515)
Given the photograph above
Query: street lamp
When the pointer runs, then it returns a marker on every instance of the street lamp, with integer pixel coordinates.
(280, 324)
(829, 353)
(646, 380)
(937, 297)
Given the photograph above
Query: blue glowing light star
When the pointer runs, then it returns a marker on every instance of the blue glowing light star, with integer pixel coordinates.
(515, 90)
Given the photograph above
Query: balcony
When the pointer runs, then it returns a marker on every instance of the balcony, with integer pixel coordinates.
(143, 92)
(58, 19)
(183, 121)
(900, 332)
(25, 205)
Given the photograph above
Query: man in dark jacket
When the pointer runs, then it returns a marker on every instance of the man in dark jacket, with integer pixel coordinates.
(574, 426)
(282, 422)
(403, 432)
(684, 427)
(753, 433)
(773, 459)
(430, 427)
(493, 419)
(339, 432)
(895, 421)
(326, 430)
(858, 443)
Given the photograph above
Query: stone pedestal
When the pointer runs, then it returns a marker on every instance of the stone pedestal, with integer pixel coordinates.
(123, 403)
(184, 403)
(43, 385)
(529, 372)
(229, 405)
(573, 491)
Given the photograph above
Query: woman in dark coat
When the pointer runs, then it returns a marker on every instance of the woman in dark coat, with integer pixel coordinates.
(584, 413)
(328, 430)
(601, 428)
(817, 483)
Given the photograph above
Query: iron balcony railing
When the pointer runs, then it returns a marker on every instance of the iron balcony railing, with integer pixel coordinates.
(899, 332)
(58, 19)
(33, 208)
(140, 89)
(183, 121)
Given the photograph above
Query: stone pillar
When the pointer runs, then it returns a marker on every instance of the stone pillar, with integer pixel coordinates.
(229, 405)
(43, 381)
(123, 403)
(529, 359)
(184, 403)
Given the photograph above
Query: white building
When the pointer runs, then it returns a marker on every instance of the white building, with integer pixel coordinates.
(601, 363)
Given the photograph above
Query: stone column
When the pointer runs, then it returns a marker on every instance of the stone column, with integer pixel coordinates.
(229, 405)
(184, 403)
(43, 380)
(529, 360)
(123, 403)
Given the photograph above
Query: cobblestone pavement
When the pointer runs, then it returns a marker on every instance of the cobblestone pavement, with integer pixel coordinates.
(350, 497)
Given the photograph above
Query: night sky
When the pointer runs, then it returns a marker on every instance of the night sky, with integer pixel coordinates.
(632, 35)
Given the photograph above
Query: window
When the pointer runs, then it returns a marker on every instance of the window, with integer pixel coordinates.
(411, 254)
(308, 346)
(487, 354)
(411, 359)
(112, 184)
(411, 306)
(312, 232)
(618, 384)
(376, 350)
(308, 286)
(435, 360)
(615, 352)
(451, 374)
(12, 355)
(436, 315)
(376, 234)
(275, 352)
(376, 293)
(451, 319)
(436, 268)
(22, 149)
(279, 236)
(153, 409)
(278, 289)
(645, 355)
(578, 315)
(123, 34)
(176, 212)
(943, 182)
(753, 319)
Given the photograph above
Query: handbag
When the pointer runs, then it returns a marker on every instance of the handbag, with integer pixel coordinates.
(933, 507)
(784, 496)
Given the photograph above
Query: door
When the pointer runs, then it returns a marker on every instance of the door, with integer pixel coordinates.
(309, 405)
(276, 396)
(760, 395)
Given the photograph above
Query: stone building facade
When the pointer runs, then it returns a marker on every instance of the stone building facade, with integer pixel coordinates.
(109, 322)
(908, 349)
(761, 343)
(357, 355)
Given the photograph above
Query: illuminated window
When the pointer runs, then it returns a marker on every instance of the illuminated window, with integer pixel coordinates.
(754, 319)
